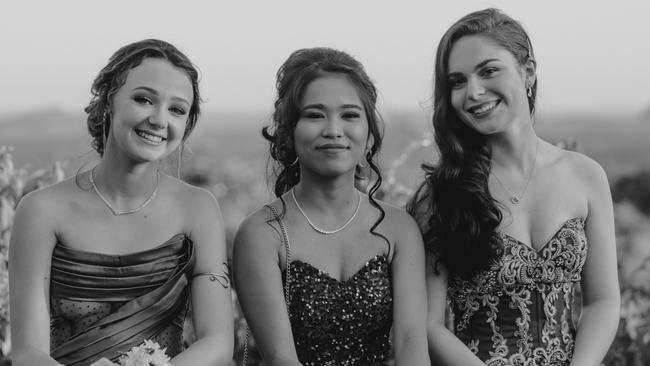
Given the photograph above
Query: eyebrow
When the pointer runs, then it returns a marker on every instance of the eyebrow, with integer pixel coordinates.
(478, 66)
(154, 92)
(322, 107)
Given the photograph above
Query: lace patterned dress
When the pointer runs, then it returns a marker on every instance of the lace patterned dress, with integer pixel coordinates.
(519, 311)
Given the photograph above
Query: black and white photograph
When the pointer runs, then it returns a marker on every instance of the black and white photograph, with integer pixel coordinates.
(321, 183)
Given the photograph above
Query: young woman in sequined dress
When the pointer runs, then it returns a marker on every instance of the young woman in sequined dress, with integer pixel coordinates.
(511, 223)
(115, 255)
(324, 271)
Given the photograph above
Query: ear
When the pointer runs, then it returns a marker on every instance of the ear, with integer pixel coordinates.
(529, 69)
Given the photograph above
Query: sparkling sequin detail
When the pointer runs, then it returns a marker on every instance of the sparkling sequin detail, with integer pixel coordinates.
(519, 311)
(342, 323)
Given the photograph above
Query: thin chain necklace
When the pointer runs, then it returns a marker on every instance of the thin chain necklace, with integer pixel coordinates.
(110, 207)
(316, 228)
(514, 199)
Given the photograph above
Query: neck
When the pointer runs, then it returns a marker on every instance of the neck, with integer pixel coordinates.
(326, 193)
(516, 148)
(120, 181)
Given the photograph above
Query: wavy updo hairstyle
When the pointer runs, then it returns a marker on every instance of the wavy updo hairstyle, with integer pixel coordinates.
(298, 71)
(114, 74)
(455, 210)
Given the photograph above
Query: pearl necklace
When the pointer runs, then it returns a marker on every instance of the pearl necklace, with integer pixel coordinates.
(513, 197)
(316, 228)
(110, 207)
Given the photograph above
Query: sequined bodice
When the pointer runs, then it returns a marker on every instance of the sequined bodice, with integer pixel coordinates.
(341, 322)
(519, 311)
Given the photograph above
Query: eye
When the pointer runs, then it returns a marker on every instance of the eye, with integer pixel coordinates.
(351, 115)
(140, 99)
(489, 71)
(312, 115)
(177, 110)
(456, 83)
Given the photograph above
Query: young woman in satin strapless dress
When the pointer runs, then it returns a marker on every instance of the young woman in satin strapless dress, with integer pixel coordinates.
(325, 271)
(511, 223)
(115, 255)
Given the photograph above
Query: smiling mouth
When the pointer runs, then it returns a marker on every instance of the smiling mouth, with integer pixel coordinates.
(149, 137)
(483, 108)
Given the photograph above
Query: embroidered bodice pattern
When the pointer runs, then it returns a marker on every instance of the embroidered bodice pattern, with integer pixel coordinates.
(519, 311)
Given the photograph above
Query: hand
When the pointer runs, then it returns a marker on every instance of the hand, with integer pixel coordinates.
(103, 362)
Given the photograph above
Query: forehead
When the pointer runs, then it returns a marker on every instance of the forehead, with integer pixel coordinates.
(160, 75)
(331, 88)
(469, 51)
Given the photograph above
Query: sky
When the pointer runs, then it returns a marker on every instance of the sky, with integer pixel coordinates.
(592, 55)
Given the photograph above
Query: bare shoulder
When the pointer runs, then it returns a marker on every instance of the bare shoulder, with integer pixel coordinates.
(396, 218)
(258, 232)
(400, 227)
(584, 168)
(193, 201)
(51, 201)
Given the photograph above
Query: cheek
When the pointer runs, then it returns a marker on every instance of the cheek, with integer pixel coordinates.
(457, 98)
(178, 125)
(361, 131)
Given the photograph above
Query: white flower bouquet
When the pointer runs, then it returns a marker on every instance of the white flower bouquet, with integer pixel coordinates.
(148, 353)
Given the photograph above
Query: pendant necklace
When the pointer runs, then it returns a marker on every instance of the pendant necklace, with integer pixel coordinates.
(513, 198)
(316, 228)
(110, 207)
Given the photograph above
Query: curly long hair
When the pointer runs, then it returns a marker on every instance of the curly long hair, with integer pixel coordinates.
(454, 208)
(114, 74)
(298, 71)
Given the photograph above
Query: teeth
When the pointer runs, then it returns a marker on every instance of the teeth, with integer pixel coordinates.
(150, 137)
(485, 108)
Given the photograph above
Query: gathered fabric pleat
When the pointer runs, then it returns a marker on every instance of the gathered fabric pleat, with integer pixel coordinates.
(152, 287)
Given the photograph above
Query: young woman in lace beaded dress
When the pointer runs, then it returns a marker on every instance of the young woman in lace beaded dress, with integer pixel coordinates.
(324, 271)
(112, 257)
(510, 222)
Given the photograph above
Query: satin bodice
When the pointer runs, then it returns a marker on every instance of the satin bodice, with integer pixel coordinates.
(116, 301)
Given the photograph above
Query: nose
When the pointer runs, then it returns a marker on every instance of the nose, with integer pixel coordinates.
(158, 118)
(333, 128)
(474, 88)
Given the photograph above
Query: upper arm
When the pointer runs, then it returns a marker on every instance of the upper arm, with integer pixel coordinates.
(211, 300)
(30, 255)
(408, 276)
(436, 282)
(600, 275)
(258, 280)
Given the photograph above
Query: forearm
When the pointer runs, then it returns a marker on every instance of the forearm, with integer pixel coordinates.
(596, 330)
(283, 361)
(31, 357)
(445, 349)
(207, 351)
(412, 350)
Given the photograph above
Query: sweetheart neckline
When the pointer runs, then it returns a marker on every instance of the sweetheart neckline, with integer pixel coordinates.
(326, 274)
(555, 233)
